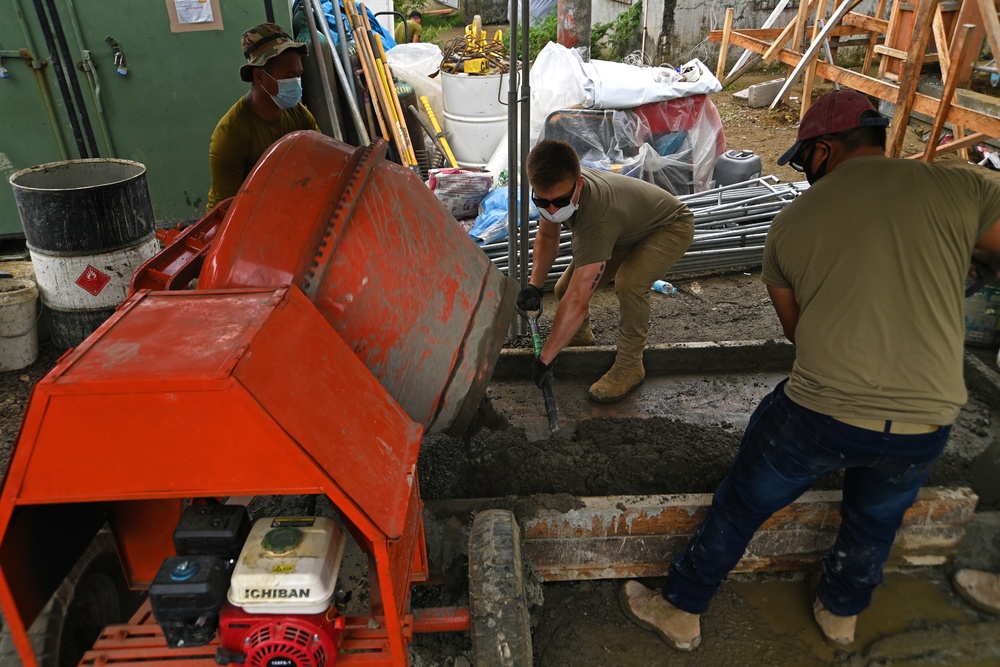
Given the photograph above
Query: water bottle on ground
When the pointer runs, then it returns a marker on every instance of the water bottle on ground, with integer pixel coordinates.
(663, 287)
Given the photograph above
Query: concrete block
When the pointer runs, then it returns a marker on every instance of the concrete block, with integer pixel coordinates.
(762, 94)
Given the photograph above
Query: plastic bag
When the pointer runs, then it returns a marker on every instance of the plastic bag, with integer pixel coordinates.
(421, 57)
(677, 141)
(460, 190)
(491, 225)
(561, 80)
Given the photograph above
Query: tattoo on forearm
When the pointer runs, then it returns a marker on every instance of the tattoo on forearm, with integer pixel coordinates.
(597, 278)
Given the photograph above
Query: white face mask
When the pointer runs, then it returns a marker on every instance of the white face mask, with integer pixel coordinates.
(561, 215)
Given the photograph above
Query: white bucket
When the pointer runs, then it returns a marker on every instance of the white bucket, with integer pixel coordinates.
(982, 313)
(475, 94)
(473, 139)
(475, 115)
(18, 320)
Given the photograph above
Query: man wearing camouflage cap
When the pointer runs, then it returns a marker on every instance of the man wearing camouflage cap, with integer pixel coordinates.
(271, 109)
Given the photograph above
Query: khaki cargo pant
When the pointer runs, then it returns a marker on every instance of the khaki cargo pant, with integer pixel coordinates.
(634, 270)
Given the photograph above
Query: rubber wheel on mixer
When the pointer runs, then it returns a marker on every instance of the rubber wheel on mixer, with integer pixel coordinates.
(500, 624)
(92, 596)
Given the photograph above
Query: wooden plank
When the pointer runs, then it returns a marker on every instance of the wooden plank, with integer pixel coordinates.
(813, 49)
(977, 121)
(992, 25)
(969, 13)
(779, 42)
(883, 50)
(871, 24)
(873, 38)
(629, 536)
(798, 35)
(801, 18)
(941, 42)
(770, 34)
(616, 516)
(623, 557)
(809, 80)
(895, 16)
(961, 45)
(724, 47)
(746, 55)
(910, 76)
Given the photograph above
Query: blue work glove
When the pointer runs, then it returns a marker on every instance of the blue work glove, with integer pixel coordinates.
(529, 299)
(541, 372)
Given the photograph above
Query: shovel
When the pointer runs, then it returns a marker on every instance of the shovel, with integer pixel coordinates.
(536, 342)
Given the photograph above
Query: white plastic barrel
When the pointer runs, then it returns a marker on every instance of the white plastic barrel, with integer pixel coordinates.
(475, 115)
(18, 320)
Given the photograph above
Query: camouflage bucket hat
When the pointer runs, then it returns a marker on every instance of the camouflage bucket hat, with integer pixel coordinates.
(263, 42)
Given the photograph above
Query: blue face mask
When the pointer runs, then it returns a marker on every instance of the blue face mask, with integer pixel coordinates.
(289, 92)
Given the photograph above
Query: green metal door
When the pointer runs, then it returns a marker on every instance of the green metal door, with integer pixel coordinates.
(129, 87)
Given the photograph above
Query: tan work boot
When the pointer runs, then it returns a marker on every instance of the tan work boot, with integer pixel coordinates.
(980, 589)
(617, 383)
(838, 630)
(582, 338)
(680, 629)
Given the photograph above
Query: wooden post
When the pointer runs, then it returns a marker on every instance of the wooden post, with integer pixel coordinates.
(809, 80)
(959, 47)
(813, 49)
(779, 43)
(798, 36)
(992, 24)
(910, 75)
(894, 18)
(941, 43)
(727, 28)
(872, 39)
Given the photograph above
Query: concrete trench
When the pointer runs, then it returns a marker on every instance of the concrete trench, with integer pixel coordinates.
(670, 441)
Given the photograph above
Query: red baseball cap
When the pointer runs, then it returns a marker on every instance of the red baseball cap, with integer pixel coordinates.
(832, 113)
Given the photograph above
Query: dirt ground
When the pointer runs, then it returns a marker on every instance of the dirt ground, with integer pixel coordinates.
(756, 620)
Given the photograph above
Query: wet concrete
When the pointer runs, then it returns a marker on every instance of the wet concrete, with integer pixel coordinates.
(678, 434)
(675, 434)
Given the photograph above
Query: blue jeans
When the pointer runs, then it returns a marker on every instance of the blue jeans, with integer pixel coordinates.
(785, 450)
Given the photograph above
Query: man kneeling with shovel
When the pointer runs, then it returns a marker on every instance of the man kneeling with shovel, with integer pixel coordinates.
(623, 229)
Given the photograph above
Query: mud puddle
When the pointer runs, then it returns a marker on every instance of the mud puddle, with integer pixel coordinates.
(766, 621)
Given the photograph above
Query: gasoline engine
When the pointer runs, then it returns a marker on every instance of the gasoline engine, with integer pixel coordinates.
(270, 589)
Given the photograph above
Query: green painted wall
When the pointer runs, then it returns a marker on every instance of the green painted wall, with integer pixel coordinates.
(161, 114)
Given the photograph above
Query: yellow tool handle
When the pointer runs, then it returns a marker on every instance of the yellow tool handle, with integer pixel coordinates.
(437, 128)
(359, 40)
(397, 107)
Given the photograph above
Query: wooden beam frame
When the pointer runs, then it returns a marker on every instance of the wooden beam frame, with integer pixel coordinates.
(922, 24)
(960, 48)
(982, 124)
(636, 536)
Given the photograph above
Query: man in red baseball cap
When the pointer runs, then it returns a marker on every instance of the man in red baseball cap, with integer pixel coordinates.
(831, 115)
(866, 273)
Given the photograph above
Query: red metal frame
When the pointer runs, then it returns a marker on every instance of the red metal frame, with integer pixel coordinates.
(193, 394)
(179, 262)
(141, 642)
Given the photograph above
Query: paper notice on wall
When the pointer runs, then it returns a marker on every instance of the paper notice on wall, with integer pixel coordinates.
(194, 11)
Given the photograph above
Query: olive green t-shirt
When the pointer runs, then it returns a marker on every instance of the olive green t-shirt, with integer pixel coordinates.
(617, 212)
(239, 140)
(414, 28)
(876, 254)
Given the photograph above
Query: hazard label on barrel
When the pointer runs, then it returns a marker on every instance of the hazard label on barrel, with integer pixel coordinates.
(93, 280)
